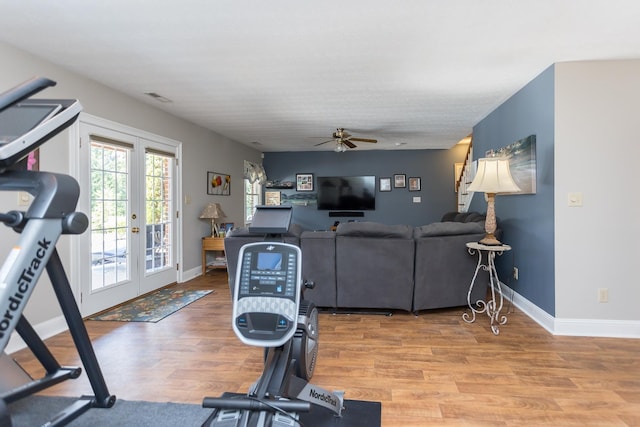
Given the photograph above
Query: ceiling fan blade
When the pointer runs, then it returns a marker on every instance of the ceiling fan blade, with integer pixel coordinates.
(324, 142)
(363, 139)
(348, 143)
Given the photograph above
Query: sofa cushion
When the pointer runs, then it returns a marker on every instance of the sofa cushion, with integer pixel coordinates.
(374, 229)
(475, 217)
(448, 229)
(449, 216)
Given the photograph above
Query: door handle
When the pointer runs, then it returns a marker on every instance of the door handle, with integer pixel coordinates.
(135, 230)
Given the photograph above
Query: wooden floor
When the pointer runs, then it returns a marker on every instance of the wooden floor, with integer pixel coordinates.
(433, 369)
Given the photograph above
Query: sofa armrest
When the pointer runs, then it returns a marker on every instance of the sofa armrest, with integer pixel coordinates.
(319, 265)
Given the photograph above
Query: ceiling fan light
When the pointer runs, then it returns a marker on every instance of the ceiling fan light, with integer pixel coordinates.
(340, 148)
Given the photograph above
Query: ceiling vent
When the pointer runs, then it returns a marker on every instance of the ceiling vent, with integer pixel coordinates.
(158, 97)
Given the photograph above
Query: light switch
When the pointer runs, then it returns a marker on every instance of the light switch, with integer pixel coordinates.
(24, 198)
(575, 199)
(417, 199)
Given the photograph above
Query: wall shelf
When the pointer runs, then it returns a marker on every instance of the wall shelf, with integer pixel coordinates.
(280, 185)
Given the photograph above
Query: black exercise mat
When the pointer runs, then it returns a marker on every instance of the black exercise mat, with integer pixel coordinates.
(356, 413)
(36, 410)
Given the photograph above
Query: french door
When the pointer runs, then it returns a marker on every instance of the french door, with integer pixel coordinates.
(129, 193)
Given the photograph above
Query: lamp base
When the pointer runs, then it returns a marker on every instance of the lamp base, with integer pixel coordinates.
(490, 240)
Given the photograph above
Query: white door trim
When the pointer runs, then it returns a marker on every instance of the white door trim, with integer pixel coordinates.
(75, 171)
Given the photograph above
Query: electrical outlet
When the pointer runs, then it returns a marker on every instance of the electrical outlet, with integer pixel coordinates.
(515, 273)
(603, 295)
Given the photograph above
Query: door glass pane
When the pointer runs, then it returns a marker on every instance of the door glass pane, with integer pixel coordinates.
(159, 206)
(109, 214)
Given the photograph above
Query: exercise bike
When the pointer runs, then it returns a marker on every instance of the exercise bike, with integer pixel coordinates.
(25, 124)
(269, 312)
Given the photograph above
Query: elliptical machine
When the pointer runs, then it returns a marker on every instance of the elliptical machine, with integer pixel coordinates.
(25, 124)
(269, 312)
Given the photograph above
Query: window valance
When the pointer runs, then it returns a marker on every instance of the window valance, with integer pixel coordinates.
(254, 172)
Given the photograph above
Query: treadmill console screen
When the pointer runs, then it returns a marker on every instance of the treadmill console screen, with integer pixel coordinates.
(26, 125)
(19, 119)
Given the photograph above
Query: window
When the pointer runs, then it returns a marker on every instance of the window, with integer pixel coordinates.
(254, 179)
(109, 211)
(252, 198)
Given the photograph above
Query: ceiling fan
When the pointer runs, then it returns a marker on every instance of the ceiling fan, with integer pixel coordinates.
(344, 139)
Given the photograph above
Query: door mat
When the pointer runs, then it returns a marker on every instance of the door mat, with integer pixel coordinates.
(152, 307)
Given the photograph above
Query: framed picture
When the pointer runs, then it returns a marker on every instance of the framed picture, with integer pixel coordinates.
(399, 180)
(385, 184)
(522, 163)
(304, 182)
(272, 198)
(414, 184)
(218, 184)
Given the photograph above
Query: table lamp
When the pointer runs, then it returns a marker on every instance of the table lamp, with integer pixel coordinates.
(493, 177)
(213, 211)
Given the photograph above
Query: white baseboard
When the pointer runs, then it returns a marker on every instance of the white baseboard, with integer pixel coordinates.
(45, 330)
(574, 327)
(598, 328)
(190, 274)
(54, 326)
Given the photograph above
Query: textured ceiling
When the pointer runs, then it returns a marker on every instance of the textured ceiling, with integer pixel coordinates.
(413, 74)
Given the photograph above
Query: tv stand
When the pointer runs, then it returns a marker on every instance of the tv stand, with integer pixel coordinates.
(351, 214)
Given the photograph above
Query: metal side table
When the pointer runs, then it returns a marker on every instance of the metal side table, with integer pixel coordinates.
(486, 257)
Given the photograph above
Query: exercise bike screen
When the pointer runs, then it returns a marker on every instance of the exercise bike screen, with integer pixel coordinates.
(268, 274)
(269, 261)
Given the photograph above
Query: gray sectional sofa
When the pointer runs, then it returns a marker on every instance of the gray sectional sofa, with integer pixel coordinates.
(367, 265)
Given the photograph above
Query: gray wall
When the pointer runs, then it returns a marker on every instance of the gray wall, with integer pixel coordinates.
(527, 220)
(202, 151)
(434, 167)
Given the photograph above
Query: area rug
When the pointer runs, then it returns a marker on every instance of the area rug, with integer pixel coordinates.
(153, 307)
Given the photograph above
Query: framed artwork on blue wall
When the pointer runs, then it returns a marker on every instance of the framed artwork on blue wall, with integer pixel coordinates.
(522, 163)
(414, 184)
(399, 180)
(304, 182)
(385, 184)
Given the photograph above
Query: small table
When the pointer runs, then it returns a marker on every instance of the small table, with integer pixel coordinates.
(212, 244)
(493, 306)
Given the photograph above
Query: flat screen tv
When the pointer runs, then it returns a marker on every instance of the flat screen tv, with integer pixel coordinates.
(346, 193)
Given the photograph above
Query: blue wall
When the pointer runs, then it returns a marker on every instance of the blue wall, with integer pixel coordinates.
(434, 167)
(527, 220)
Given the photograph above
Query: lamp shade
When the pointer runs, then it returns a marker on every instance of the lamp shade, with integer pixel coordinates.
(493, 176)
(212, 211)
